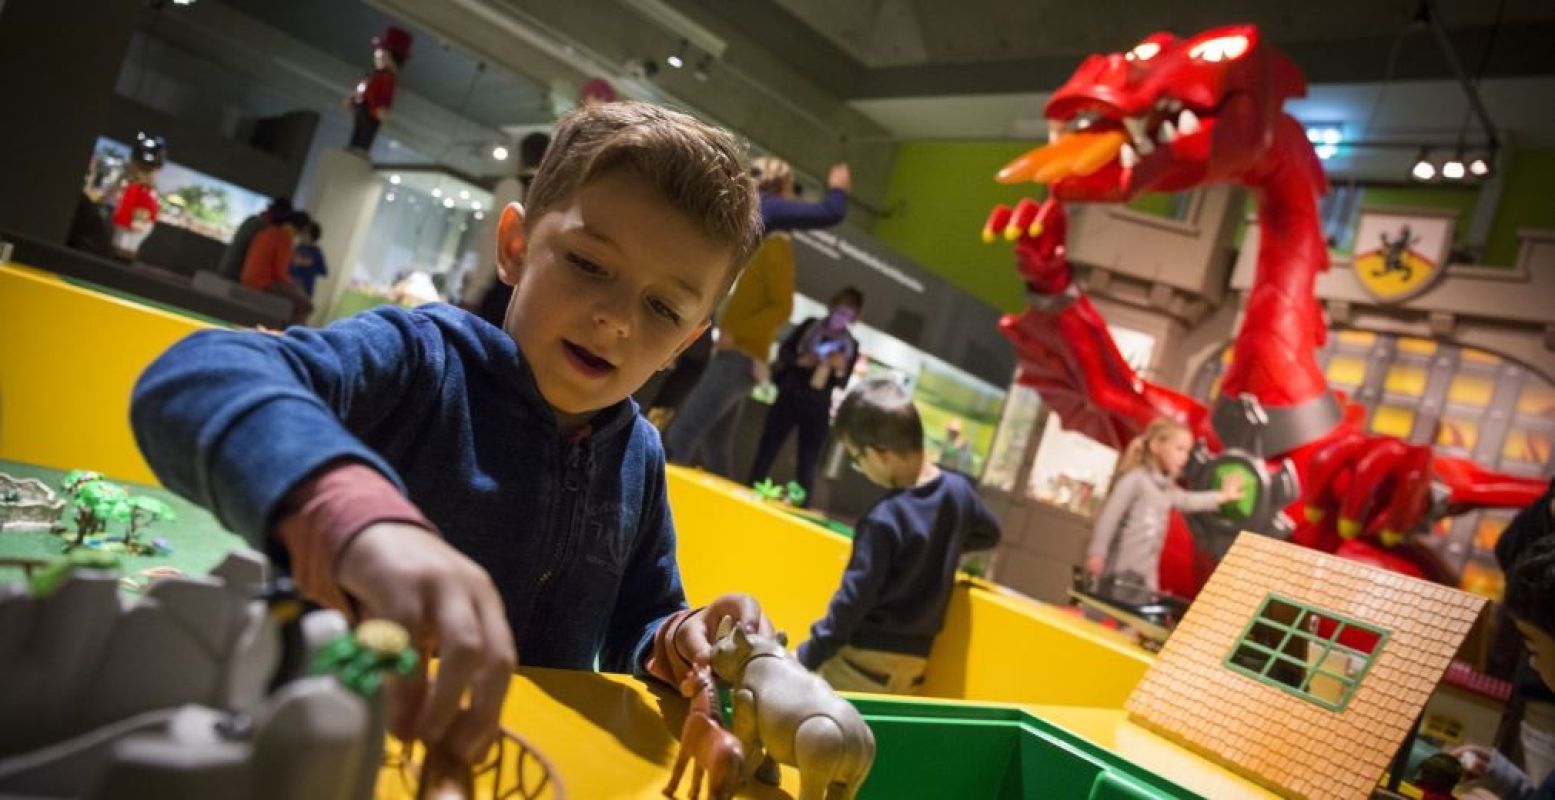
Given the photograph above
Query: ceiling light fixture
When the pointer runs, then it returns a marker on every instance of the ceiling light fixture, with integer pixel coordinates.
(1423, 170)
(1325, 139)
(1479, 167)
(1454, 170)
(677, 59)
(500, 153)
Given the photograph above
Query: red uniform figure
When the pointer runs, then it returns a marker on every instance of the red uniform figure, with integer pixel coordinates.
(375, 92)
(135, 214)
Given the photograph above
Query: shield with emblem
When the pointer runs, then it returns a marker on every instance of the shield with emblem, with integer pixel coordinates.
(1399, 254)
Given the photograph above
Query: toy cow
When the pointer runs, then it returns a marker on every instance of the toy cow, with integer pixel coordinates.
(703, 737)
(793, 713)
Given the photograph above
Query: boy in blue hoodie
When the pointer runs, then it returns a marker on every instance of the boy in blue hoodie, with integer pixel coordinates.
(492, 489)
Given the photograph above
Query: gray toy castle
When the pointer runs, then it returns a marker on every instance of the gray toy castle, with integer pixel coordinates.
(170, 695)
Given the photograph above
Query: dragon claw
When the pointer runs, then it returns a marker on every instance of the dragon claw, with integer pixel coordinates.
(1349, 528)
(1390, 537)
(1313, 514)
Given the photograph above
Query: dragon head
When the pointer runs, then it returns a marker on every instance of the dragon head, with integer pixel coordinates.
(1168, 115)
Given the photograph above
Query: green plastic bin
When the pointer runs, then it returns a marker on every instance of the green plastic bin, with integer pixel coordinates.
(961, 750)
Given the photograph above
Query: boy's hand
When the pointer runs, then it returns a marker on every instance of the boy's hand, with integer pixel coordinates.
(406, 574)
(694, 638)
(1094, 565)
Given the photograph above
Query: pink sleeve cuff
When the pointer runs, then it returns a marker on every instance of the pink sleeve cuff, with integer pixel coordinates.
(323, 513)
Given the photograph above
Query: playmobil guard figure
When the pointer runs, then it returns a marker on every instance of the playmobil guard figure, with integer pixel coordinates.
(704, 737)
(794, 714)
(136, 212)
(374, 94)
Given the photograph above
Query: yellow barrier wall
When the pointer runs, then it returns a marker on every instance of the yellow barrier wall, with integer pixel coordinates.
(72, 355)
(996, 644)
(68, 359)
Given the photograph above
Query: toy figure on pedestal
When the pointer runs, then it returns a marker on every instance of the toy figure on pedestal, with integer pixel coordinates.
(369, 103)
(136, 212)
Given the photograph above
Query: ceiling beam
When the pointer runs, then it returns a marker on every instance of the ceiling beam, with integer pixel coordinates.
(1520, 51)
(751, 89)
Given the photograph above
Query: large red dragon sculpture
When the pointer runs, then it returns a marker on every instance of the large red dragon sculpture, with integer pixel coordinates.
(1172, 114)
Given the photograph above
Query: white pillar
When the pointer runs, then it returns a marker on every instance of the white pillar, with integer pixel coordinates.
(345, 194)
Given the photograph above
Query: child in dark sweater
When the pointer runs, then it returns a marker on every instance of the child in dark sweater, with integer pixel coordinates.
(877, 633)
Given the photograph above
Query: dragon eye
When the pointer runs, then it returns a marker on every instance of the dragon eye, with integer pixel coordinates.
(1220, 48)
(1144, 51)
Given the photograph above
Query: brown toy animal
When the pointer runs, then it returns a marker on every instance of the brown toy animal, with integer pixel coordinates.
(793, 713)
(703, 737)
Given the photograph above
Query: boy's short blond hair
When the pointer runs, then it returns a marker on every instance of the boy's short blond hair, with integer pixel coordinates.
(700, 169)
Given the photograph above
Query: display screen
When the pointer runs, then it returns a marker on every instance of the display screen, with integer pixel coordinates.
(189, 199)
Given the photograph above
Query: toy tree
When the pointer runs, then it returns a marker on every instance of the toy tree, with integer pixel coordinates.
(768, 489)
(95, 502)
(361, 660)
(142, 512)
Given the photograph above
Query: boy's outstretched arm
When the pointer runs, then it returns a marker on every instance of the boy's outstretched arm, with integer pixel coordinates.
(263, 430)
(652, 632)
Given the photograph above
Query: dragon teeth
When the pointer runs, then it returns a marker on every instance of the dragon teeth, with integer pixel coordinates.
(1136, 131)
(1187, 122)
(1127, 157)
(1167, 133)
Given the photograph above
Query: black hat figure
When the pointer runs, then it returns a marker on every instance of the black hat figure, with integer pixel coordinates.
(135, 213)
(369, 103)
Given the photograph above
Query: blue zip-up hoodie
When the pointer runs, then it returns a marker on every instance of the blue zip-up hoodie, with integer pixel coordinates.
(576, 535)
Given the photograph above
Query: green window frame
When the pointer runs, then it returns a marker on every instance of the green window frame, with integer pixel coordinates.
(1323, 645)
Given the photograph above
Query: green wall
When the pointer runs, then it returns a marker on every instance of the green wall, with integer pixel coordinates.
(941, 191)
(937, 201)
(1460, 199)
(1526, 202)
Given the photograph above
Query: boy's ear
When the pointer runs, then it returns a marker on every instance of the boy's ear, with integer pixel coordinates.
(512, 243)
(696, 333)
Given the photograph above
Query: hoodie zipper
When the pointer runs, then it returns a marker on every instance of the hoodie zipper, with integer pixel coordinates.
(574, 467)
